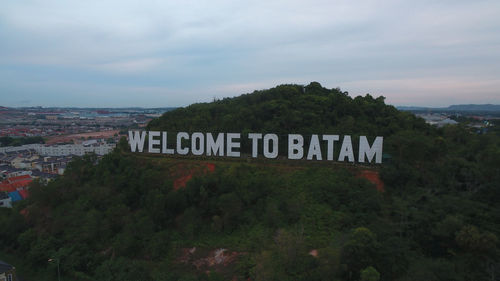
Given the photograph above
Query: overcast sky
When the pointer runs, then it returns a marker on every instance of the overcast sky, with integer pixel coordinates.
(174, 53)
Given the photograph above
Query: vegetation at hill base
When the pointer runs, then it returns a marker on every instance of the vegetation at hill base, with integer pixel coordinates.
(123, 218)
(10, 141)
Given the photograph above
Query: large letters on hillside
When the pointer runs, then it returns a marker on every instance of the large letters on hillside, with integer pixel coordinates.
(228, 144)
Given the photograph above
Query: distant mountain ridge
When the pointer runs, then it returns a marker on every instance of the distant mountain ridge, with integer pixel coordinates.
(475, 107)
(458, 107)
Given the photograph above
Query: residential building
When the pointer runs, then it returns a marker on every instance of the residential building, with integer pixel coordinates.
(7, 272)
(5, 201)
(61, 150)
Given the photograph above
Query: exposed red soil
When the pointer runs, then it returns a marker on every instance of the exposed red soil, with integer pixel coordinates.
(183, 173)
(78, 137)
(215, 260)
(314, 253)
(373, 177)
(24, 212)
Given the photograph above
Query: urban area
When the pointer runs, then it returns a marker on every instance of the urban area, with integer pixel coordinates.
(38, 143)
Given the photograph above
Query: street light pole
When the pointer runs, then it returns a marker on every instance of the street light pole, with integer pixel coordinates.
(58, 271)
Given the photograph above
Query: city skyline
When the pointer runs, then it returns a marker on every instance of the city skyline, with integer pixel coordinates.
(154, 54)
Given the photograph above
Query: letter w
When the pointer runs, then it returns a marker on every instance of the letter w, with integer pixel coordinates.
(136, 140)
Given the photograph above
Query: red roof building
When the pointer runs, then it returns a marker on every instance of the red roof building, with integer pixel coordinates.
(24, 193)
(19, 178)
(15, 183)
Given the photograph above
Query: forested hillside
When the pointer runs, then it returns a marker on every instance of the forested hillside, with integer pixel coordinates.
(292, 108)
(130, 217)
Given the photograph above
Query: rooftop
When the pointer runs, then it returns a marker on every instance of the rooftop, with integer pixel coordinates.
(4, 267)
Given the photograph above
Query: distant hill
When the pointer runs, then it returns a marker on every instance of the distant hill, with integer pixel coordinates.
(494, 108)
(475, 107)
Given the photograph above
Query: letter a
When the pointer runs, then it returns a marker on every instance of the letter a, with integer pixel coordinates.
(346, 150)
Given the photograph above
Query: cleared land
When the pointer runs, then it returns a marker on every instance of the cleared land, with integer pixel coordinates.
(78, 137)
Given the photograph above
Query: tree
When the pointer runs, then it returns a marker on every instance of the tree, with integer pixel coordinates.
(370, 274)
(360, 251)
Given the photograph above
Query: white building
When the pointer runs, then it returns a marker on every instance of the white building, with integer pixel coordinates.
(74, 149)
(63, 150)
(438, 120)
(5, 200)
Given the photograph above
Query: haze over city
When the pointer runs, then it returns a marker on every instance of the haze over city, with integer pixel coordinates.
(157, 53)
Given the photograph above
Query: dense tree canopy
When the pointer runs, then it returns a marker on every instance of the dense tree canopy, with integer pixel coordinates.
(10, 141)
(292, 108)
(124, 218)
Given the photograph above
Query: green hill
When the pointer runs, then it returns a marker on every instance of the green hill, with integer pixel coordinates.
(284, 109)
(133, 216)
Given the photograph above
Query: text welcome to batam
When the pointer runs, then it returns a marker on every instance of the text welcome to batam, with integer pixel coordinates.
(320, 147)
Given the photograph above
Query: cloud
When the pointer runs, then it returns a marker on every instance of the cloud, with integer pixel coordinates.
(199, 49)
(130, 66)
(423, 91)
(25, 102)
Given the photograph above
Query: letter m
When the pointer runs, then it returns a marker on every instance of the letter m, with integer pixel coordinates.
(136, 140)
(375, 149)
